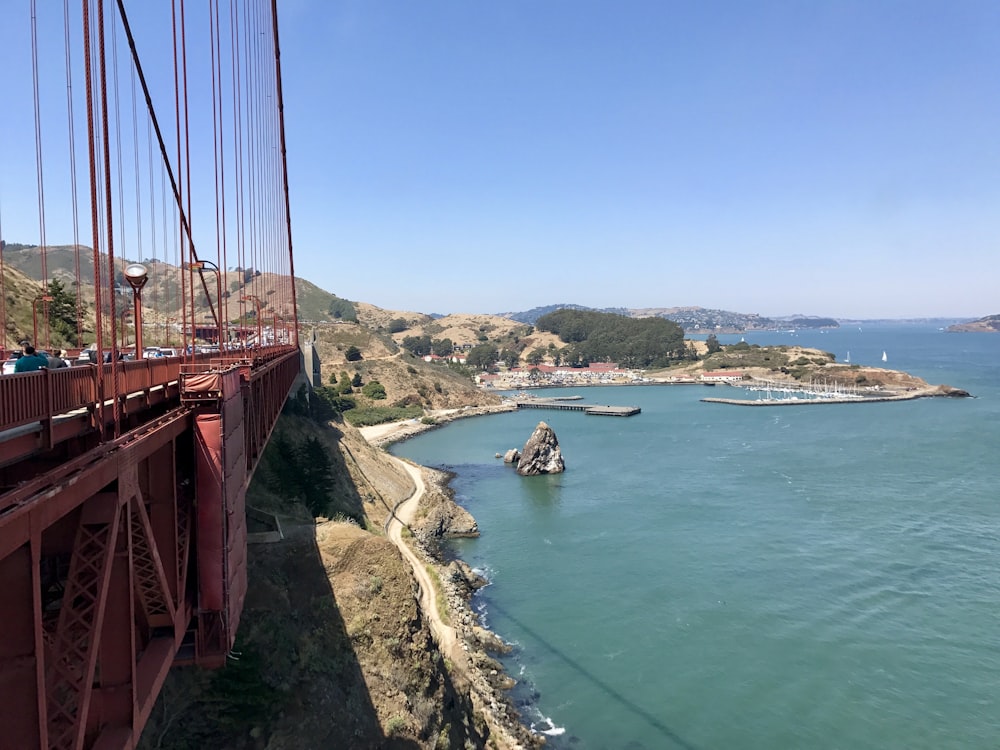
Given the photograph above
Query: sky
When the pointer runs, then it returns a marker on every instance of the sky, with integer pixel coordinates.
(833, 158)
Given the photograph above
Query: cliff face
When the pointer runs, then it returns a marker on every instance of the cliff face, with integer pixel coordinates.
(332, 649)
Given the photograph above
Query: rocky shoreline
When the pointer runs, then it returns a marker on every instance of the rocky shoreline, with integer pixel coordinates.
(441, 518)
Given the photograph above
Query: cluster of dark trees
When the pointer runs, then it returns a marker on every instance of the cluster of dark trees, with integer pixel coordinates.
(342, 309)
(607, 337)
(300, 468)
(421, 346)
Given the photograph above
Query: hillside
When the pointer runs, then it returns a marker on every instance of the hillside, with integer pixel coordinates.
(332, 649)
(693, 319)
(796, 364)
(162, 296)
(988, 324)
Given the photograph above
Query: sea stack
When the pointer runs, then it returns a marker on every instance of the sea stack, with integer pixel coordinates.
(541, 454)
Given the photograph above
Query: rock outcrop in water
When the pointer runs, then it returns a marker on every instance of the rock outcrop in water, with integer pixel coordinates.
(541, 454)
(512, 456)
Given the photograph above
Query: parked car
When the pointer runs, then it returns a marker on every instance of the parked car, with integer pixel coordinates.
(151, 352)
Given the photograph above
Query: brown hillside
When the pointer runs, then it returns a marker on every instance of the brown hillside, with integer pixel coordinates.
(433, 386)
(376, 318)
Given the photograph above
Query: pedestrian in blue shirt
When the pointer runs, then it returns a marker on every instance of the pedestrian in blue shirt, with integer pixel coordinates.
(31, 361)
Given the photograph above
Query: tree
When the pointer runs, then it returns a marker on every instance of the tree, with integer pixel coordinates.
(713, 344)
(397, 325)
(535, 356)
(356, 380)
(342, 309)
(418, 346)
(509, 357)
(482, 356)
(315, 472)
(374, 390)
(353, 354)
(344, 384)
(62, 310)
(443, 347)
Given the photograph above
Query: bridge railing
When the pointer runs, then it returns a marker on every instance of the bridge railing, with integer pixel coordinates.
(30, 397)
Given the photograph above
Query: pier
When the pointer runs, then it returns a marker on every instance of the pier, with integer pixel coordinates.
(564, 405)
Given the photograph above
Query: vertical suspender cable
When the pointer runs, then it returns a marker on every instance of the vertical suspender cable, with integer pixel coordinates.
(109, 210)
(72, 177)
(187, 166)
(234, 16)
(284, 166)
(120, 335)
(95, 219)
(39, 173)
(178, 187)
(217, 73)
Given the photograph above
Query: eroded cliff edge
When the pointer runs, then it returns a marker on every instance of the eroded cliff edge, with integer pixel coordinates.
(333, 650)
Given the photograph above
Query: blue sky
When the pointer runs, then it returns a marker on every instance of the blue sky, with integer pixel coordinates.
(829, 158)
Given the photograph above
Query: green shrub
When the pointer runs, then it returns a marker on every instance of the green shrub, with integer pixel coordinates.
(395, 726)
(372, 415)
(373, 390)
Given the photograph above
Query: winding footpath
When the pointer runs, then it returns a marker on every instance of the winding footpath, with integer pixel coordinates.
(402, 515)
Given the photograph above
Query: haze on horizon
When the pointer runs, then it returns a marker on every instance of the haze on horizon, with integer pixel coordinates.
(834, 159)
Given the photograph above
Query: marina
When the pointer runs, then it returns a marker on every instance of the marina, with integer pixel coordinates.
(796, 401)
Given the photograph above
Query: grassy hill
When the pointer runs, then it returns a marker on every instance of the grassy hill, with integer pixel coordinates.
(162, 296)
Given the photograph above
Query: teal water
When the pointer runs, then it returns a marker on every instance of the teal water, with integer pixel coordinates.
(707, 576)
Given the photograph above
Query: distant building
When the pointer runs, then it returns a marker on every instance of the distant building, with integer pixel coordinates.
(721, 376)
(458, 358)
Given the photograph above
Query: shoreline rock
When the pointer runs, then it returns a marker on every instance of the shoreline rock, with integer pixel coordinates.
(541, 454)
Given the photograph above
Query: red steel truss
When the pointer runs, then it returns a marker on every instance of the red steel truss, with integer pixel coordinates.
(105, 583)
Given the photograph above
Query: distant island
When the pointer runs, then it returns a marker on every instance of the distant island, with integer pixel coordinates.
(989, 324)
(691, 319)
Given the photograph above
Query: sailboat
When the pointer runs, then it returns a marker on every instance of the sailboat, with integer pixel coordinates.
(884, 357)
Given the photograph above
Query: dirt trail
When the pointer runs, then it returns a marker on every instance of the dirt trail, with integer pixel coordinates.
(403, 514)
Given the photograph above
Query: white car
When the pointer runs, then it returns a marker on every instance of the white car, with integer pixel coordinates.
(8, 364)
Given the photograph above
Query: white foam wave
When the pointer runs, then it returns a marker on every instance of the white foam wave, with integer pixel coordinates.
(551, 729)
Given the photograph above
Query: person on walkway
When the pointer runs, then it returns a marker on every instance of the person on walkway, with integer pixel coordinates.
(30, 361)
(57, 362)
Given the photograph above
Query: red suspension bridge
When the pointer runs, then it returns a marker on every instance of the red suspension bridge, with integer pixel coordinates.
(122, 483)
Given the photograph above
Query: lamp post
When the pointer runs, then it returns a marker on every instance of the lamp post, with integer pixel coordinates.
(136, 275)
(34, 315)
(201, 265)
(256, 303)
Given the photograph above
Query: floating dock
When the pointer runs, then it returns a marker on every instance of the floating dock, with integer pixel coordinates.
(598, 409)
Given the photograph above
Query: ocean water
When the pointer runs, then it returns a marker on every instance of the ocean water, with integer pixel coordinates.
(710, 576)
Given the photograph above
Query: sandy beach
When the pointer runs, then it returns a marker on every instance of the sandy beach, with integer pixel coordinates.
(393, 432)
